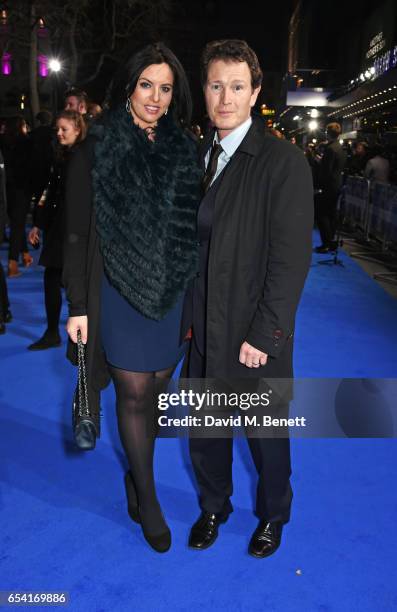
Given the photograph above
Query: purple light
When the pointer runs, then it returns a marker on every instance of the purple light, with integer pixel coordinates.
(43, 65)
(6, 64)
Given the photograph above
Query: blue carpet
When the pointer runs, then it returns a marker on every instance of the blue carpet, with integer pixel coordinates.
(64, 525)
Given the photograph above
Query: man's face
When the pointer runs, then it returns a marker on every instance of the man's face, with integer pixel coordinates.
(360, 150)
(229, 96)
(72, 103)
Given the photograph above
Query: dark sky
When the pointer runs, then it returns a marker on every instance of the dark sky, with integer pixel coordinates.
(264, 27)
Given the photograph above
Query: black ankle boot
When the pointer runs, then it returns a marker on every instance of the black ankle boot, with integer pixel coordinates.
(48, 340)
(132, 498)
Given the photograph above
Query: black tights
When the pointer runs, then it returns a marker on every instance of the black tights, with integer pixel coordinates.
(136, 416)
(53, 298)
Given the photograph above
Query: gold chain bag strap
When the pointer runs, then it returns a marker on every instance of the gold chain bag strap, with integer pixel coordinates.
(85, 424)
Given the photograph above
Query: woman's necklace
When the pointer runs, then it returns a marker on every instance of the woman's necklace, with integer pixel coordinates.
(150, 132)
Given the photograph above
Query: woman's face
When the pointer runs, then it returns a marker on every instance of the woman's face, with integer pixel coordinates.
(152, 95)
(66, 132)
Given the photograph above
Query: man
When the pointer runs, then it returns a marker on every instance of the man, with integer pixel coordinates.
(255, 223)
(359, 158)
(76, 100)
(330, 183)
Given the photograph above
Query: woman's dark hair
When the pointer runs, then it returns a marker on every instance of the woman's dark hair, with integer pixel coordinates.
(77, 120)
(231, 51)
(155, 53)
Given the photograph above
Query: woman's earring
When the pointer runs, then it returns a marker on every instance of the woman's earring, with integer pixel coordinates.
(128, 106)
(166, 111)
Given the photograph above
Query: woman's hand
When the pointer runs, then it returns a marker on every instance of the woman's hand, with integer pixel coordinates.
(34, 236)
(77, 323)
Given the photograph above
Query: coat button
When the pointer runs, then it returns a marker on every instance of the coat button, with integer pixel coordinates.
(277, 334)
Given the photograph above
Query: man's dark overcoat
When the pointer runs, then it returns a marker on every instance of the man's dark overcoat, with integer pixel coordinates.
(259, 255)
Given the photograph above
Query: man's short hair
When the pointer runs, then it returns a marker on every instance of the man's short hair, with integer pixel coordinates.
(44, 117)
(231, 51)
(80, 94)
(334, 129)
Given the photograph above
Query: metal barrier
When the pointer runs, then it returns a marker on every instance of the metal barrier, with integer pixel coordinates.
(356, 203)
(370, 208)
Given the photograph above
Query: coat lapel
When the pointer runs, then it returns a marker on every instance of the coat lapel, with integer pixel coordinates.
(205, 146)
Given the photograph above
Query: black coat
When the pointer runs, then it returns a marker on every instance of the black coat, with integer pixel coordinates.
(42, 151)
(83, 266)
(259, 255)
(331, 167)
(83, 263)
(49, 217)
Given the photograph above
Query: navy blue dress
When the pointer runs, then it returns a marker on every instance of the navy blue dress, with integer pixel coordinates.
(134, 342)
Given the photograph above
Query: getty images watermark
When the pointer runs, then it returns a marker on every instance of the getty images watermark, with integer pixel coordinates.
(211, 408)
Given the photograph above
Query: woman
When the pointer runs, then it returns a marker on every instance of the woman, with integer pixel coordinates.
(49, 217)
(130, 256)
(16, 153)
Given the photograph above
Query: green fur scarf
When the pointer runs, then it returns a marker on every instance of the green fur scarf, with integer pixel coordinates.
(146, 196)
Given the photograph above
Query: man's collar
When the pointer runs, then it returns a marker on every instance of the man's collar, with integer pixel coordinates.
(251, 144)
(232, 141)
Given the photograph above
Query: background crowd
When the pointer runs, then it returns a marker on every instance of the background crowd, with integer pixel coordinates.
(33, 164)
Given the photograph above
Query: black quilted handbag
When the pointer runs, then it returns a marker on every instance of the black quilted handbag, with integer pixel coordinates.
(86, 424)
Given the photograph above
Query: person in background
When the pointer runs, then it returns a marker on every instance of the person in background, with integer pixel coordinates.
(196, 130)
(5, 313)
(94, 110)
(42, 144)
(277, 133)
(329, 182)
(359, 158)
(76, 100)
(48, 217)
(378, 167)
(16, 152)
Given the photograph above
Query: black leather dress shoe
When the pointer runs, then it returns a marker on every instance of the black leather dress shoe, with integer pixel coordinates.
(45, 342)
(322, 249)
(2, 328)
(205, 530)
(265, 539)
(327, 248)
(8, 317)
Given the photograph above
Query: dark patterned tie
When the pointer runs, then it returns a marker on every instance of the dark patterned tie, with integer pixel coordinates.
(212, 166)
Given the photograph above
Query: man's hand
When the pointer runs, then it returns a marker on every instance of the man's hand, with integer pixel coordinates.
(34, 235)
(251, 357)
(77, 323)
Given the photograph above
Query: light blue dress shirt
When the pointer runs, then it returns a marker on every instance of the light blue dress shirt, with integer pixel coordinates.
(230, 144)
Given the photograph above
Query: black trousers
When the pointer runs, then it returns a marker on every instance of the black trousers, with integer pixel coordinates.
(53, 297)
(18, 207)
(4, 302)
(212, 460)
(326, 216)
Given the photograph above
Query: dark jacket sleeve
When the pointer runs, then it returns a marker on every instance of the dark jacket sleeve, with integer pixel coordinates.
(327, 168)
(78, 205)
(291, 224)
